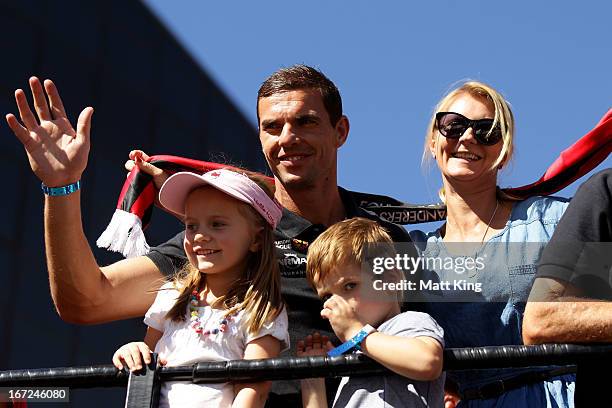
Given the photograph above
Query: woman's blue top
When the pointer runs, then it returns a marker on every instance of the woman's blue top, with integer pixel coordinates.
(486, 308)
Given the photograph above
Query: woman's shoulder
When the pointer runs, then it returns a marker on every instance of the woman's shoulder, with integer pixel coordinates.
(539, 208)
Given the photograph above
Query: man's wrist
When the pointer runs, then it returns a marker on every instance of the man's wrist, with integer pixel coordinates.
(61, 190)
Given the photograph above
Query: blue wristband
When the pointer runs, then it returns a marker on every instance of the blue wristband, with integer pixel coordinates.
(61, 191)
(354, 342)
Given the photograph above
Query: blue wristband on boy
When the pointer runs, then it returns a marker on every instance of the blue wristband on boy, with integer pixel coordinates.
(61, 191)
(354, 342)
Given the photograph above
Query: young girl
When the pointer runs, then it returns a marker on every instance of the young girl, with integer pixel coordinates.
(226, 303)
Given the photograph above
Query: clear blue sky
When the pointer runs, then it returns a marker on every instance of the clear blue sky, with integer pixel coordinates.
(393, 60)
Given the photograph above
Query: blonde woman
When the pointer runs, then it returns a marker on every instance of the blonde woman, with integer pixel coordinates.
(471, 138)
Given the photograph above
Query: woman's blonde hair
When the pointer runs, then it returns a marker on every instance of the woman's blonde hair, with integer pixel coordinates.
(503, 118)
(257, 292)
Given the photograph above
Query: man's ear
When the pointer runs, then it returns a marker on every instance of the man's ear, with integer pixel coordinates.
(342, 130)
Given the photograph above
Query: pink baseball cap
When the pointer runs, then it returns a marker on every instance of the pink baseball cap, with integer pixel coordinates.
(174, 192)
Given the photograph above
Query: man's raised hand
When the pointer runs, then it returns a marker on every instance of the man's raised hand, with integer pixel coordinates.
(57, 154)
(140, 159)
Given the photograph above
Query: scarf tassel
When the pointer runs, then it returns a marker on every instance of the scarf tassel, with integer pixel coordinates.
(124, 234)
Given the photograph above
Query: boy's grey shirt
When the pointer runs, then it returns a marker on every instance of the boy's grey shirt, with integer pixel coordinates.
(394, 390)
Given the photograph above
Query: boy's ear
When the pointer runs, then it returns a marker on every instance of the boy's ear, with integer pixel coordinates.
(393, 276)
(313, 285)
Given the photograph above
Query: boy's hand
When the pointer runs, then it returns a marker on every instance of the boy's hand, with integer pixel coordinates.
(342, 317)
(132, 354)
(314, 345)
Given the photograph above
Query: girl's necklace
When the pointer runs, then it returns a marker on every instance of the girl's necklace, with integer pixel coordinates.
(196, 323)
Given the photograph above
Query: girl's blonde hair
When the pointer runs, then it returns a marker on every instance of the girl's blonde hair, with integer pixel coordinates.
(503, 118)
(257, 292)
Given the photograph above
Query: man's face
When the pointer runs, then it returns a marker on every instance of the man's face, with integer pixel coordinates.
(297, 138)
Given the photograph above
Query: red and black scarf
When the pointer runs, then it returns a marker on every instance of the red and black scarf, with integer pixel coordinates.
(125, 232)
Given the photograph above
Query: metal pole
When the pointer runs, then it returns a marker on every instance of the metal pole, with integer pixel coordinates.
(143, 386)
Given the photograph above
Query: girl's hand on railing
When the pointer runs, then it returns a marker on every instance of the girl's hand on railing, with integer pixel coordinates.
(132, 354)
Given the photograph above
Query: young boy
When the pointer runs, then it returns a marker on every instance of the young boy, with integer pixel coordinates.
(409, 343)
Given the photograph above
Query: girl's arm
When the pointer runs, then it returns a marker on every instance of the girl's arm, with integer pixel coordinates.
(152, 337)
(132, 354)
(418, 358)
(255, 394)
(314, 393)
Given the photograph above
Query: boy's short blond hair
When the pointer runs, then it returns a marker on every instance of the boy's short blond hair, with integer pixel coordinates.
(346, 243)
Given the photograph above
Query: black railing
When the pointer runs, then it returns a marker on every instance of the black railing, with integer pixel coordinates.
(143, 387)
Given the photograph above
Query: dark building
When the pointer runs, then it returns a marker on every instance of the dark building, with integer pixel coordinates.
(147, 93)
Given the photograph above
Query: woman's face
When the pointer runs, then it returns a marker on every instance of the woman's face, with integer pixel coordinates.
(465, 159)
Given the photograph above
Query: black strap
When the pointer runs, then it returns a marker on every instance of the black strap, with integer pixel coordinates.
(397, 212)
(496, 388)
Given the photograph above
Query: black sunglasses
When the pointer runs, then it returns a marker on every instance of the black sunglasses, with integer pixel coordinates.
(453, 125)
